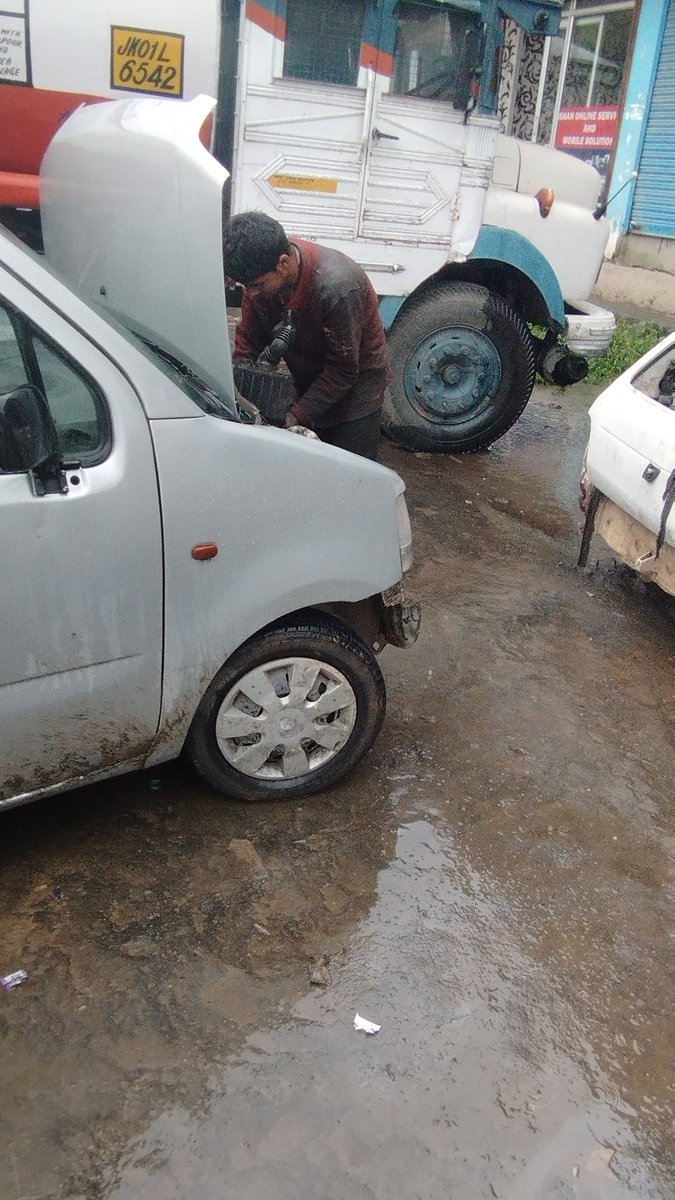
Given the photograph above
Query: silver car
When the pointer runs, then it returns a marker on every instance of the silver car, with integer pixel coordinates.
(173, 578)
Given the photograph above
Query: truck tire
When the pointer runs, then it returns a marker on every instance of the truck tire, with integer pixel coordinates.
(464, 370)
(290, 713)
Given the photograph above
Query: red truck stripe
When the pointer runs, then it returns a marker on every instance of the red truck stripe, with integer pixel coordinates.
(376, 60)
(267, 20)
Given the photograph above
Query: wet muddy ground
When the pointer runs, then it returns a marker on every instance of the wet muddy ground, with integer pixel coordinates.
(492, 886)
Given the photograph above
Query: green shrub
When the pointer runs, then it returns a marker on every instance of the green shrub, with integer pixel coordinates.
(631, 340)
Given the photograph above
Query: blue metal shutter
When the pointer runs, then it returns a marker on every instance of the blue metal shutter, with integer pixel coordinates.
(654, 200)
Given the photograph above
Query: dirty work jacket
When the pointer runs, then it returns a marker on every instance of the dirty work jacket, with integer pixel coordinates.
(338, 359)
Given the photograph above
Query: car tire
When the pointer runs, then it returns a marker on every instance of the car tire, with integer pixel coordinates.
(464, 370)
(264, 731)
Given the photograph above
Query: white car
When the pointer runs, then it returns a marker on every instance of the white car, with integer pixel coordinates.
(628, 487)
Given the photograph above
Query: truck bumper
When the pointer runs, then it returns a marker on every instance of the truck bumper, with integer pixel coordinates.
(590, 329)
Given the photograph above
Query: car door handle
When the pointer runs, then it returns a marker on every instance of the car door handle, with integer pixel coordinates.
(377, 134)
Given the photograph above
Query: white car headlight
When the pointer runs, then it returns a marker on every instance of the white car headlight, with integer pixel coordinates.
(404, 533)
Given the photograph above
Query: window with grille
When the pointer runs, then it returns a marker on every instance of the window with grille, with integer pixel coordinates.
(323, 42)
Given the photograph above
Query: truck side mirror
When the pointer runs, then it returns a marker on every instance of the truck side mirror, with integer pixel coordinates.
(28, 437)
(468, 69)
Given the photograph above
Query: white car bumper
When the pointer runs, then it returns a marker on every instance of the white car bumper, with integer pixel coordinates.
(590, 329)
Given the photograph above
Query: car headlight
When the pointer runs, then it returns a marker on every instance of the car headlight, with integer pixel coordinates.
(404, 533)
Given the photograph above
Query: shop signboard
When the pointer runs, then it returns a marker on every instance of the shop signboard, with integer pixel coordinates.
(589, 133)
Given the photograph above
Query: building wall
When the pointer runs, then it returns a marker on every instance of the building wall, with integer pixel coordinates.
(642, 76)
(649, 239)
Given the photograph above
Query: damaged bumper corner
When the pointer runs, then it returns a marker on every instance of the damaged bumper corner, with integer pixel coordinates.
(401, 617)
(636, 545)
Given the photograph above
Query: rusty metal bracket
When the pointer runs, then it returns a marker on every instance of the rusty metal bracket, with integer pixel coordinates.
(589, 526)
(401, 617)
(669, 500)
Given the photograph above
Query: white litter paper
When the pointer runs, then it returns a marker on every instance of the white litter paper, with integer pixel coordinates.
(364, 1026)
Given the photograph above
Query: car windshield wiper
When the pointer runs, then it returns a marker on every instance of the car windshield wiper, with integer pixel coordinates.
(218, 407)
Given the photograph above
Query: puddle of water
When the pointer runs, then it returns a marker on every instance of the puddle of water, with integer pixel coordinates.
(482, 1082)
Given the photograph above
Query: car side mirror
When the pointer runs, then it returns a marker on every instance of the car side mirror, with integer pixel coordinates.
(28, 437)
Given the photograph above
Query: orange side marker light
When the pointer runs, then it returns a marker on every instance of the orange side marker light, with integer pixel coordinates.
(204, 550)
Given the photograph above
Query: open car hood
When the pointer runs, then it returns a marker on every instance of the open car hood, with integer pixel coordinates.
(131, 205)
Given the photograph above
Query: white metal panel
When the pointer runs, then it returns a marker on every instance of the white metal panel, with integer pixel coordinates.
(428, 185)
(305, 133)
(572, 180)
(590, 329)
(157, 399)
(70, 43)
(570, 238)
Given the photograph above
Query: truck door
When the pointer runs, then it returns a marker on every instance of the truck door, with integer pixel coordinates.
(350, 130)
(426, 168)
(81, 634)
(303, 130)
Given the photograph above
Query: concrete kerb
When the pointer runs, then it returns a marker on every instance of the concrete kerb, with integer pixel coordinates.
(637, 293)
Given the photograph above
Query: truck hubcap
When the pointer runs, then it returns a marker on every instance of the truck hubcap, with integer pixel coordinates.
(286, 718)
(452, 373)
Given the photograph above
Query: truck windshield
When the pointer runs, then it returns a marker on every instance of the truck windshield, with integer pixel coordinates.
(432, 45)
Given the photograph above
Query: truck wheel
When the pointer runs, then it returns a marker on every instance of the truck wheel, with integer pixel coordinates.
(290, 712)
(463, 370)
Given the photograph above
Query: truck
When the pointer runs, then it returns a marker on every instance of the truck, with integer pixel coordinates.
(370, 126)
(176, 578)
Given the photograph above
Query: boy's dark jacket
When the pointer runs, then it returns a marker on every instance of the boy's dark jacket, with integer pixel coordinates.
(338, 359)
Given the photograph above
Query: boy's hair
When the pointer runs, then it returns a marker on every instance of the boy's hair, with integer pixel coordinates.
(252, 245)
